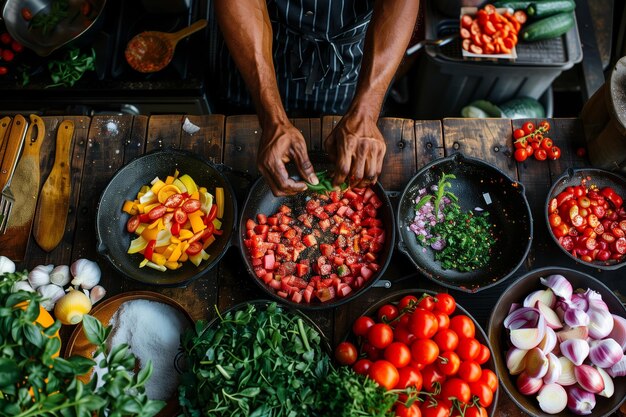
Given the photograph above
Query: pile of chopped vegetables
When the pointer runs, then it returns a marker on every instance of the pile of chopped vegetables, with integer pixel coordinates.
(175, 221)
(461, 240)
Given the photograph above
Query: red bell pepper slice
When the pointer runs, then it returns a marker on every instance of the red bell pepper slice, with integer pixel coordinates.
(149, 251)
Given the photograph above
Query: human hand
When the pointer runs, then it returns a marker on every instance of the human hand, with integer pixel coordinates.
(358, 148)
(281, 143)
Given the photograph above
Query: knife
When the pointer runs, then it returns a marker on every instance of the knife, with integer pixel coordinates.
(54, 201)
(25, 187)
(13, 149)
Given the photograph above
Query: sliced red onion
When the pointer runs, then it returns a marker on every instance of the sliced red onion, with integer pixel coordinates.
(576, 350)
(580, 401)
(552, 398)
(528, 338)
(575, 317)
(545, 296)
(580, 332)
(619, 331)
(594, 299)
(536, 363)
(548, 343)
(579, 301)
(554, 369)
(516, 360)
(589, 378)
(514, 307)
(619, 369)
(600, 323)
(559, 285)
(438, 244)
(609, 387)
(605, 353)
(527, 385)
(522, 318)
(560, 309)
(567, 376)
(552, 320)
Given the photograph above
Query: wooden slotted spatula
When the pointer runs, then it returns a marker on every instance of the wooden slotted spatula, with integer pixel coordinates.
(54, 201)
(25, 187)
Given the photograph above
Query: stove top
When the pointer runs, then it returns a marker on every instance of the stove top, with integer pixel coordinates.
(114, 80)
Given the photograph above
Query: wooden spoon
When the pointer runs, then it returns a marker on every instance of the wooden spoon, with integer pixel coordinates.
(152, 51)
(54, 201)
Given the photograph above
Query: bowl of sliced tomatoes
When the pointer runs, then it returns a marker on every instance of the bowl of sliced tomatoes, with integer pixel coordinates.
(586, 216)
(425, 342)
(490, 32)
(317, 249)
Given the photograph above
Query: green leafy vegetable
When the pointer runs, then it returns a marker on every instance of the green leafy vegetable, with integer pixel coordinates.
(325, 183)
(67, 71)
(47, 22)
(33, 382)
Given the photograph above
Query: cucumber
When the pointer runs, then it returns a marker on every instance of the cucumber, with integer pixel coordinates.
(515, 5)
(523, 108)
(549, 27)
(547, 8)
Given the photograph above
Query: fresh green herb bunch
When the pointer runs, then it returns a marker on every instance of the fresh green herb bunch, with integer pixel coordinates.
(442, 191)
(67, 71)
(33, 383)
(325, 183)
(468, 238)
(47, 22)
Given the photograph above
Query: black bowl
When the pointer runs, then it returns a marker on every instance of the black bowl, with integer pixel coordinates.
(498, 336)
(477, 184)
(261, 200)
(595, 176)
(396, 296)
(113, 239)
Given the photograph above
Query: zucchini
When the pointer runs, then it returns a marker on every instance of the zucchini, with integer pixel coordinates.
(547, 8)
(549, 27)
(523, 108)
(515, 5)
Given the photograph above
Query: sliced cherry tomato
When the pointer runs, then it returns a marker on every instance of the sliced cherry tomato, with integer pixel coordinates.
(173, 201)
(157, 212)
(194, 248)
(180, 216)
(345, 352)
(191, 205)
(132, 224)
(212, 214)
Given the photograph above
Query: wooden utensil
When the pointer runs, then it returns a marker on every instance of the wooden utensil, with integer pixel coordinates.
(5, 125)
(152, 51)
(49, 225)
(13, 147)
(25, 188)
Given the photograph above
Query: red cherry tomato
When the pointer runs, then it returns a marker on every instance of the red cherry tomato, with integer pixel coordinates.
(470, 371)
(463, 326)
(545, 126)
(427, 303)
(380, 335)
(489, 378)
(456, 388)
(424, 351)
(519, 133)
(445, 303)
(409, 377)
(423, 324)
(149, 250)
(520, 155)
(361, 326)
(398, 354)
(554, 152)
(8, 55)
(483, 392)
(541, 154)
(5, 38)
(446, 339)
(468, 348)
(448, 363)
(345, 353)
(4, 70)
(431, 375)
(26, 14)
(17, 47)
(483, 355)
(413, 411)
(362, 366)
(387, 313)
(384, 373)
(132, 224)
(528, 127)
(546, 143)
(476, 411)
(438, 410)
(443, 320)
(407, 301)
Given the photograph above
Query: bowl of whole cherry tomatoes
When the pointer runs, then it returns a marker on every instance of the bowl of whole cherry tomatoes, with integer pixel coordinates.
(426, 344)
(586, 216)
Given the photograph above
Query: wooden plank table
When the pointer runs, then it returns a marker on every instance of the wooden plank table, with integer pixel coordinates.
(103, 144)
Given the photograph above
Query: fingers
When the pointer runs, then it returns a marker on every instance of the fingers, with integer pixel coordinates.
(279, 181)
(305, 167)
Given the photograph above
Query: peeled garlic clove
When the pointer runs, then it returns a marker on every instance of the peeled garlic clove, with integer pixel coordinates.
(22, 286)
(567, 376)
(7, 266)
(559, 285)
(552, 398)
(96, 294)
(60, 275)
(527, 385)
(40, 275)
(609, 387)
(580, 401)
(536, 363)
(605, 353)
(51, 294)
(589, 378)
(71, 307)
(576, 350)
(554, 369)
(86, 273)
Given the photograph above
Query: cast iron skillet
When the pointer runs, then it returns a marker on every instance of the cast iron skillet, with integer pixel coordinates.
(509, 212)
(261, 200)
(600, 178)
(113, 239)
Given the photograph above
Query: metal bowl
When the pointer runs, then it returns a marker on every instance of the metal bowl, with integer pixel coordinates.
(113, 239)
(477, 184)
(76, 23)
(498, 336)
(396, 296)
(595, 176)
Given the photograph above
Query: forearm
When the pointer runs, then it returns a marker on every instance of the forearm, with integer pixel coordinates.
(247, 31)
(386, 40)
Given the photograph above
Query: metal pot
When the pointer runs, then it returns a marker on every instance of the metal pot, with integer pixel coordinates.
(81, 17)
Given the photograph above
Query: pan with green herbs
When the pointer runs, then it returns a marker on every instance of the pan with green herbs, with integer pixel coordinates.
(464, 224)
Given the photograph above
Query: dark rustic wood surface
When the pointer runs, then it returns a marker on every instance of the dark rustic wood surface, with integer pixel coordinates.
(103, 144)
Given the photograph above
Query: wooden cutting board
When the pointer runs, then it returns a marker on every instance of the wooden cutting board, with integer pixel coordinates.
(54, 201)
(25, 189)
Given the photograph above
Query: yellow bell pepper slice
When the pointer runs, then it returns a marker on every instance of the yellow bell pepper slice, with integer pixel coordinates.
(156, 187)
(185, 234)
(219, 199)
(176, 253)
(159, 258)
(167, 191)
(195, 219)
(130, 207)
(208, 242)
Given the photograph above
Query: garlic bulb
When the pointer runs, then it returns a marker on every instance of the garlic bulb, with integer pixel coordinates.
(96, 294)
(7, 266)
(40, 276)
(60, 275)
(51, 294)
(21, 286)
(71, 308)
(86, 273)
